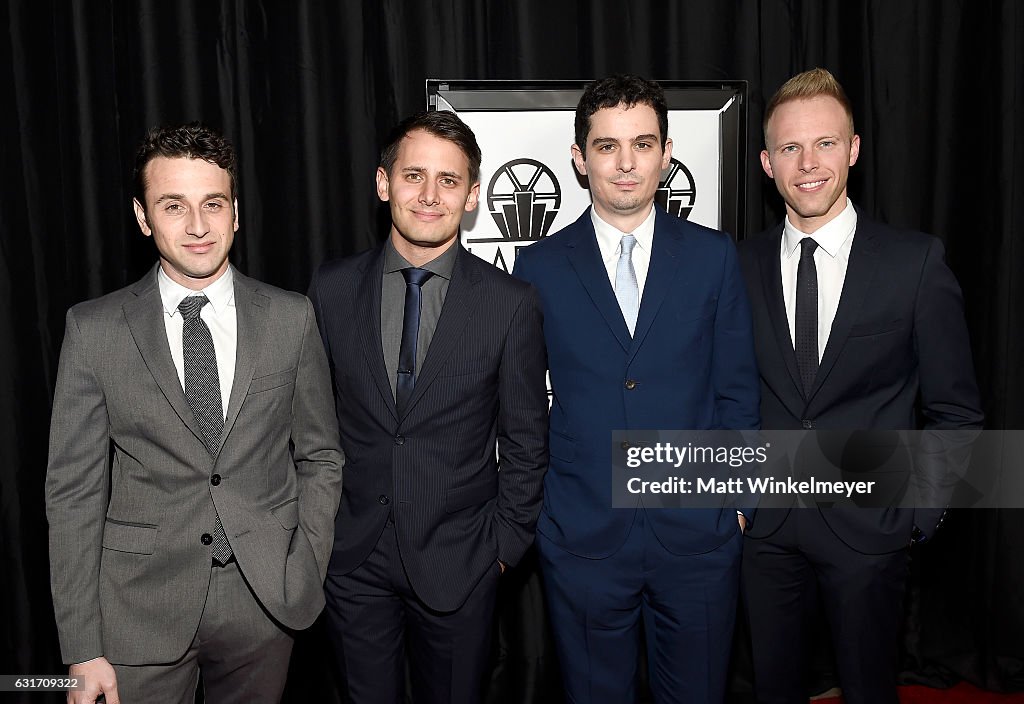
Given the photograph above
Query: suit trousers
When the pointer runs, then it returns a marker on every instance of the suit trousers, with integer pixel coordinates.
(688, 607)
(240, 650)
(373, 614)
(785, 577)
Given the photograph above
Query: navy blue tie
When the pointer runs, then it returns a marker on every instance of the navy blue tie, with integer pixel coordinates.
(414, 279)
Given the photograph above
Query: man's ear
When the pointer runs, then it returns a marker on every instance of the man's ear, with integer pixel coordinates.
(236, 214)
(140, 217)
(578, 159)
(854, 149)
(766, 163)
(667, 157)
(382, 184)
(474, 197)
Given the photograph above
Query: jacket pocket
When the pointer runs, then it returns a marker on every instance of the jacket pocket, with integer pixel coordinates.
(138, 538)
(562, 447)
(287, 513)
(272, 381)
(470, 495)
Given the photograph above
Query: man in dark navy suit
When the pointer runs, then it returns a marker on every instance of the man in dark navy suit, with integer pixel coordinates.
(647, 327)
(858, 326)
(436, 356)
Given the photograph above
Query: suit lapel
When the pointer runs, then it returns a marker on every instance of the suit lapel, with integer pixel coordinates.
(367, 311)
(585, 258)
(663, 276)
(144, 315)
(860, 272)
(771, 280)
(459, 303)
(251, 309)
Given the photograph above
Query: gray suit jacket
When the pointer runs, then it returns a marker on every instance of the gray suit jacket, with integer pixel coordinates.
(128, 487)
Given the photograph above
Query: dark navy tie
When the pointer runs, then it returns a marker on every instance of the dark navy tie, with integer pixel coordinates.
(414, 280)
(202, 391)
(805, 337)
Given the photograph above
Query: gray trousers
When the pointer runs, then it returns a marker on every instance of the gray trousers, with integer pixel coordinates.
(241, 651)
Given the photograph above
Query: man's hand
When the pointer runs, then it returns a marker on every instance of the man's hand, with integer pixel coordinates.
(98, 677)
(502, 566)
(743, 522)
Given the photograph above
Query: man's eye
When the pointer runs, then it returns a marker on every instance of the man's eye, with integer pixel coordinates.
(827, 143)
(412, 177)
(174, 208)
(789, 149)
(606, 148)
(214, 206)
(447, 182)
(642, 146)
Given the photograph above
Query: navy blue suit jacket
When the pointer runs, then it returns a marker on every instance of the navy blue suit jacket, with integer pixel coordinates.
(691, 360)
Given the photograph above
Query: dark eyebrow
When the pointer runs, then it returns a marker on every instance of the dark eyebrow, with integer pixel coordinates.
(611, 140)
(169, 196)
(181, 196)
(423, 170)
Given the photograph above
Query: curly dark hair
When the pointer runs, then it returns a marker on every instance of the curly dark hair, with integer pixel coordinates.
(620, 89)
(442, 124)
(193, 141)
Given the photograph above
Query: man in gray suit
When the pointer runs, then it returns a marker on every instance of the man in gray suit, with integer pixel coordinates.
(194, 468)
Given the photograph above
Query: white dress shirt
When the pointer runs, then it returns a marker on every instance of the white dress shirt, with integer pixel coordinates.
(219, 316)
(835, 239)
(609, 241)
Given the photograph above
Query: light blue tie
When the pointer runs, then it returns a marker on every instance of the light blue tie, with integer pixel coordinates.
(626, 289)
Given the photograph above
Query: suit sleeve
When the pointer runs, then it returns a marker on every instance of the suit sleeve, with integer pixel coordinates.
(522, 431)
(317, 451)
(77, 490)
(737, 385)
(733, 364)
(950, 402)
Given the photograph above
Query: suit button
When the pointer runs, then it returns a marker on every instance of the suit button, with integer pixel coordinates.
(215, 480)
(399, 440)
(630, 384)
(624, 445)
(384, 499)
(206, 539)
(808, 424)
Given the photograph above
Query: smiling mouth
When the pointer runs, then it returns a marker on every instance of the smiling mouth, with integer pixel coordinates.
(812, 185)
(199, 248)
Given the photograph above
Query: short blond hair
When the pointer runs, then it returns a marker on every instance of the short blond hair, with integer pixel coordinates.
(809, 84)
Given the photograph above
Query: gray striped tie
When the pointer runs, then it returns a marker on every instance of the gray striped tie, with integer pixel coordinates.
(202, 390)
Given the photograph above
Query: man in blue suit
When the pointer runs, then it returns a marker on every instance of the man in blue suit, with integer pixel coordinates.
(647, 326)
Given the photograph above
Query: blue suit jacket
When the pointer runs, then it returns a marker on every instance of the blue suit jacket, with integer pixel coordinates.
(691, 360)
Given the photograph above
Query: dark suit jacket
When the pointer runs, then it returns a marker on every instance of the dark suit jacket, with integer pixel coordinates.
(435, 467)
(129, 491)
(690, 361)
(898, 347)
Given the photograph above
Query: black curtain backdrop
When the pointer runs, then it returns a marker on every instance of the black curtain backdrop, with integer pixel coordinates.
(306, 90)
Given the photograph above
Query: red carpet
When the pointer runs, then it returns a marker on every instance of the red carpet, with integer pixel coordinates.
(963, 693)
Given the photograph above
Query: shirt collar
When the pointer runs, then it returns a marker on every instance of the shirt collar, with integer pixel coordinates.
(609, 239)
(442, 265)
(221, 293)
(830, 237)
